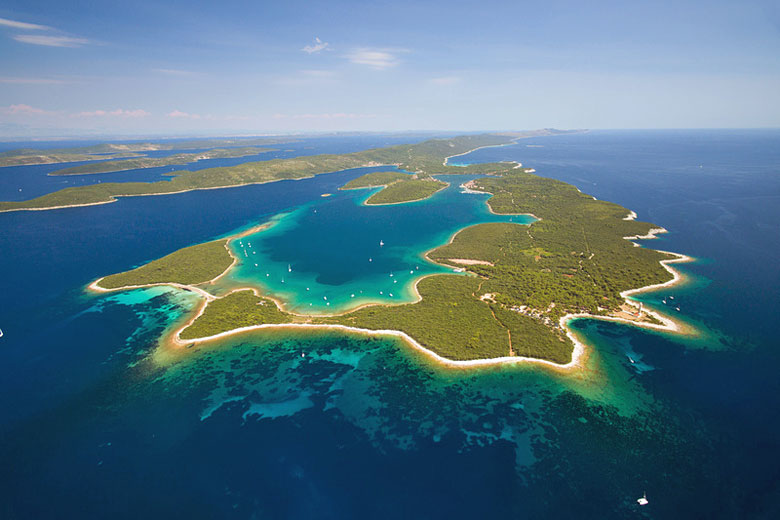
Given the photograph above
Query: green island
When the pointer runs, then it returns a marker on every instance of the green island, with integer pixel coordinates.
(104, 151)
(28, 157)
(426, 158)
(518, 281)
(398, 187)
(153, 162)
(375, 180)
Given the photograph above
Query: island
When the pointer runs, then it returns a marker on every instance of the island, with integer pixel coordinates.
(514, 293)
(106, 151)
(30, 157)
(397, 187)
(155, 162)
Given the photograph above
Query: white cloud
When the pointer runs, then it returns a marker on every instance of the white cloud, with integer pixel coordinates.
(445, 80)
(50, 41)
(119, 112)
(22, 109)
(41, 39)
(375, 58)
(316, 47)
(23, 25)
(179, 113)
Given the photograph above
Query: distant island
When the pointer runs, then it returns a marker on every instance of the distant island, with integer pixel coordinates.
(519, 284)
(155, 162)
(109, 151)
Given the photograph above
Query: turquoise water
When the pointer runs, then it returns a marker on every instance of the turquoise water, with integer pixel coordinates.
(337, 253)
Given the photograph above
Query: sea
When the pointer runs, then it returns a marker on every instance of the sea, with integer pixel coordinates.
(101, 418)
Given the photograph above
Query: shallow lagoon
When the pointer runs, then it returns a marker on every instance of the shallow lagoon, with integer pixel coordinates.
(337, 253)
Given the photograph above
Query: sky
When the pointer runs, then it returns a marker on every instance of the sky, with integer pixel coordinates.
(203, 67)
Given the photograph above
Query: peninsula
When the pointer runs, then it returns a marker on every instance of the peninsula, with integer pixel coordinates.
(516, 287)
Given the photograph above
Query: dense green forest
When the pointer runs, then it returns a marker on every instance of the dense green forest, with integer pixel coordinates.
(406, 191)
(398, 187)
(234, 311)
(375, 180)
(190, 266)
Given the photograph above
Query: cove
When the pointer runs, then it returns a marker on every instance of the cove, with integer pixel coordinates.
(335, 254)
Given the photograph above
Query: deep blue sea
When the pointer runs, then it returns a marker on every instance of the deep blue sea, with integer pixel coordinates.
(99, 420)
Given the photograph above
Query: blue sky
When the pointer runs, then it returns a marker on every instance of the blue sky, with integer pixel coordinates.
(195, 67)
